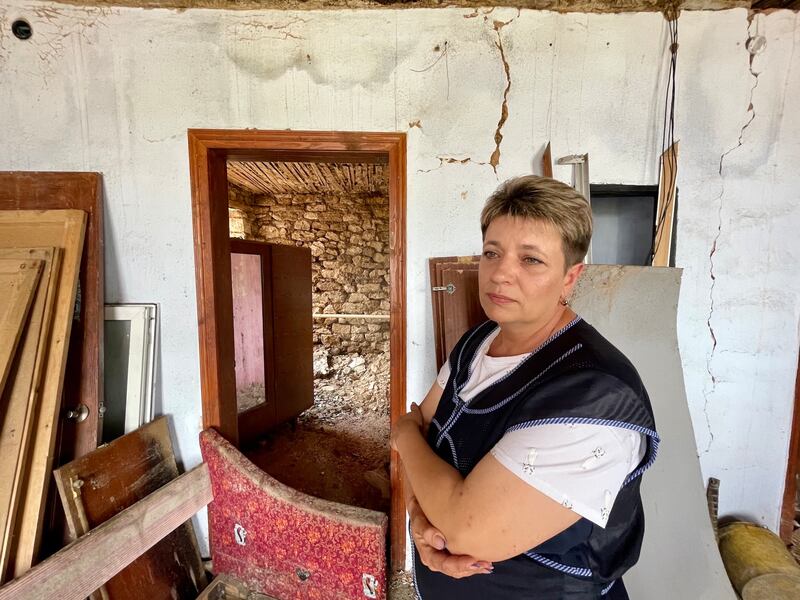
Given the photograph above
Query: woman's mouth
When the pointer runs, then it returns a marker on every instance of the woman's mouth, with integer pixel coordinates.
(500, 299)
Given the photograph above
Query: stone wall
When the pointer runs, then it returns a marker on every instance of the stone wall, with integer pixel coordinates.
(349, 241)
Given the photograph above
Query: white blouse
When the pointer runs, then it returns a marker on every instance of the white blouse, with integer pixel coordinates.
(580, 466)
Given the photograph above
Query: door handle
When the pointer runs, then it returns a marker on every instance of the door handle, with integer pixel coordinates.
(449, 288)
(78, 414)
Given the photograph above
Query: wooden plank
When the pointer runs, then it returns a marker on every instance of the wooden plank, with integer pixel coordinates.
(84, 382)
(20, 398)
(436, 307)
(114, 477)
(547, 162)
(18, 281)
(665, 209)
(76, 571)
(49, 228)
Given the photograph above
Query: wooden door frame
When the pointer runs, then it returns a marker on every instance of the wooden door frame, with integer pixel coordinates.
(209, 150)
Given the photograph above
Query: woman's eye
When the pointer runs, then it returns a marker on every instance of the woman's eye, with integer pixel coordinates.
(490, 254)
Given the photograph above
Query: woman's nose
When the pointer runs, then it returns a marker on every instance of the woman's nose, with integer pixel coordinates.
(503, 271)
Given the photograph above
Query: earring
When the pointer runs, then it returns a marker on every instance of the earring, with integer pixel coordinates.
(563, 301)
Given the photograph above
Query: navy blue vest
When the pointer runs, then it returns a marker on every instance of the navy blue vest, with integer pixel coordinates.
(576, 376)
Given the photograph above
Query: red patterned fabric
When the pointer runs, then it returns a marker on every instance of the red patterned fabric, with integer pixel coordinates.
(287, 544)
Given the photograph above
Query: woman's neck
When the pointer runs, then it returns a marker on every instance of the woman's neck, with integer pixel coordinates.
(512, 340)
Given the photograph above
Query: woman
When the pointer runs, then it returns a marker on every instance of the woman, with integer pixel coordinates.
(522, 463)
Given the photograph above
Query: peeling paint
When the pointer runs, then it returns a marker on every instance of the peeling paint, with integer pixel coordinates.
(450, 160)
(479, 12)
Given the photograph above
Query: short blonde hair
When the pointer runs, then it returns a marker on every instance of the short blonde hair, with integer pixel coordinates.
(544, 199)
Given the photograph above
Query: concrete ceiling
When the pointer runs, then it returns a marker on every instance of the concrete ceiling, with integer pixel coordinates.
(596, 6)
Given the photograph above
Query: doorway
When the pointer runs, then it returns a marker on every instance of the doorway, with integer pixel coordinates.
(210, 152)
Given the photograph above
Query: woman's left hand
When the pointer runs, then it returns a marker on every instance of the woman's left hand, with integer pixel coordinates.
(410, 422)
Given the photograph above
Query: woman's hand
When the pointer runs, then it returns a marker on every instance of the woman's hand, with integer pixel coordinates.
(430, 545)
(411, 422)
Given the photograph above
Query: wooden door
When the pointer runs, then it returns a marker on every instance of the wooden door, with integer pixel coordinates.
(455, 301)
(83, 384)
(292, 340)
(271, 288)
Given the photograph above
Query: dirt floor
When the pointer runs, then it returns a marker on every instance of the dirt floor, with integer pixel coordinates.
(338, 449)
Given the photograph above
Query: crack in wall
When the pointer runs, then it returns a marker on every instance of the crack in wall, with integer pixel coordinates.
(715, 242)
(254, 30)
(54, 28)
(494, 159)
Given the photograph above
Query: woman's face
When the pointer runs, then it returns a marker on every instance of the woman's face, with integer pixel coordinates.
(521, 273)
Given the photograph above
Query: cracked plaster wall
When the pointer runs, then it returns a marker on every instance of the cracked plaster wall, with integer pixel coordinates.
(114, 90)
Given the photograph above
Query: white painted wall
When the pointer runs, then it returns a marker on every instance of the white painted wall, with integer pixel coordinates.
(114, 91)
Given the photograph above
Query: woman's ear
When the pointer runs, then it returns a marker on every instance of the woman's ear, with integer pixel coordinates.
(571, 278)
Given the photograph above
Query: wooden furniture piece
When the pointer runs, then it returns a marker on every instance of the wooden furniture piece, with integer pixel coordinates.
(84, 380)
(19, 398)
(99, 485)
(209, 151)
(272, 326)
(44, 228)
(285, 543)
(455, 301)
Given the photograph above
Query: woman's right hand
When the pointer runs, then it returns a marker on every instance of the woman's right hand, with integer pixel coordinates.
(431, 547)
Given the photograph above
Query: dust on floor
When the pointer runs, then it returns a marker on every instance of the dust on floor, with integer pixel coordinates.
(338, 449)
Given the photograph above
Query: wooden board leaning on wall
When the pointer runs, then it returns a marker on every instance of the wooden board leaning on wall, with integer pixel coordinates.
(18, 399)
(62, 229)
(18, 281)
(114, 477)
